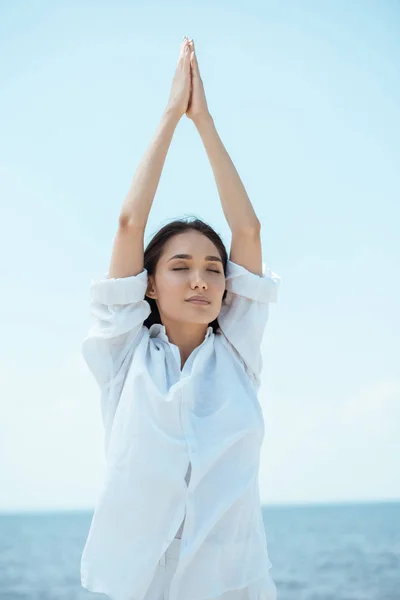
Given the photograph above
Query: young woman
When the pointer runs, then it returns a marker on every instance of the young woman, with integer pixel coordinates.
(175, 350)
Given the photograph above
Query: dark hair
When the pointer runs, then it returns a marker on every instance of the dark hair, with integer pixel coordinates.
(155, 247)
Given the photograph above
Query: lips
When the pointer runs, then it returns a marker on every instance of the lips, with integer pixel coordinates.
(198, 300)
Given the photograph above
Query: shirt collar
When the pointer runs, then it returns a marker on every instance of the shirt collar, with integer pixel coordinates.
(158, 330)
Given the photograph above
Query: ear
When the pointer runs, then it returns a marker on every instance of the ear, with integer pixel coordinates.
(150, 291)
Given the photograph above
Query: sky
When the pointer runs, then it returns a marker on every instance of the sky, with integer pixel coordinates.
(305, 97)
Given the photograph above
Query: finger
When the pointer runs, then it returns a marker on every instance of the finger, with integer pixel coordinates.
(183, 46)
(191, 49)
(186, 57)
(195, 65)
(193, 58)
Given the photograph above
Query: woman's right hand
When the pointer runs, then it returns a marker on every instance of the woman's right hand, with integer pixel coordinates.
(181, 84)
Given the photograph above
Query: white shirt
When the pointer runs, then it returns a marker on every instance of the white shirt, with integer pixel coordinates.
(158, 420)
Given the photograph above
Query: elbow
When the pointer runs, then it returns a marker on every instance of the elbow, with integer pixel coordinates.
(125, 221)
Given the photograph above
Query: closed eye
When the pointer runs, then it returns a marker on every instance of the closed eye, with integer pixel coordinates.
(185, 268)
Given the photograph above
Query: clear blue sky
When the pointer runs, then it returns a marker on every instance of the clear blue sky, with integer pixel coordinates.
(306, 98)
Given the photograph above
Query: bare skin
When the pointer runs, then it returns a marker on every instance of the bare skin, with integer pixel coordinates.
(178, 279)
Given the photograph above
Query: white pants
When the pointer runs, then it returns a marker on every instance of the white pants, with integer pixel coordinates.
(160, 585)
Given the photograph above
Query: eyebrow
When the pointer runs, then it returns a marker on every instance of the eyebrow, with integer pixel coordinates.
(189, 257)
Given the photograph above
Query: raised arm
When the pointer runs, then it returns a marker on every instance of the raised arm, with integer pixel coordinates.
(128, 251)
(245, 227)
(236, 205)
(128, 248)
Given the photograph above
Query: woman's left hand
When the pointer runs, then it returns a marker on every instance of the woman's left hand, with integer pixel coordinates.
(197, 107)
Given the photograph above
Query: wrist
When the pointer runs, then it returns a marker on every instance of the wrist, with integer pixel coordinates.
(171, 114)
(203, 120)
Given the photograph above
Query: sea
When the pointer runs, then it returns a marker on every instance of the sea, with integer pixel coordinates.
(318, 552)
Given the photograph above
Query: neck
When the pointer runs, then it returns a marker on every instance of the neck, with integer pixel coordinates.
(187, 336)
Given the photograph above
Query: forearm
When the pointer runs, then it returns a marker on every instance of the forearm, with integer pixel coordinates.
(138, 202)
(235, 202)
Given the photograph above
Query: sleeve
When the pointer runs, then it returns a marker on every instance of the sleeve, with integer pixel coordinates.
(244, 312)
(118, 309)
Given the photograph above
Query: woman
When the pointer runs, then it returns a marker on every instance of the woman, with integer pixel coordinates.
(175, 349)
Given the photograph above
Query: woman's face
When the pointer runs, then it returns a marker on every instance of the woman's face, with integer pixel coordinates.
(177, 279)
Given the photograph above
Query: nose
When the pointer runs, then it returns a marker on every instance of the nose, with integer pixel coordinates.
(198, 281)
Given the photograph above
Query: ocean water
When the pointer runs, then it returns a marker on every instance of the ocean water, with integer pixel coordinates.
(325, 552)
